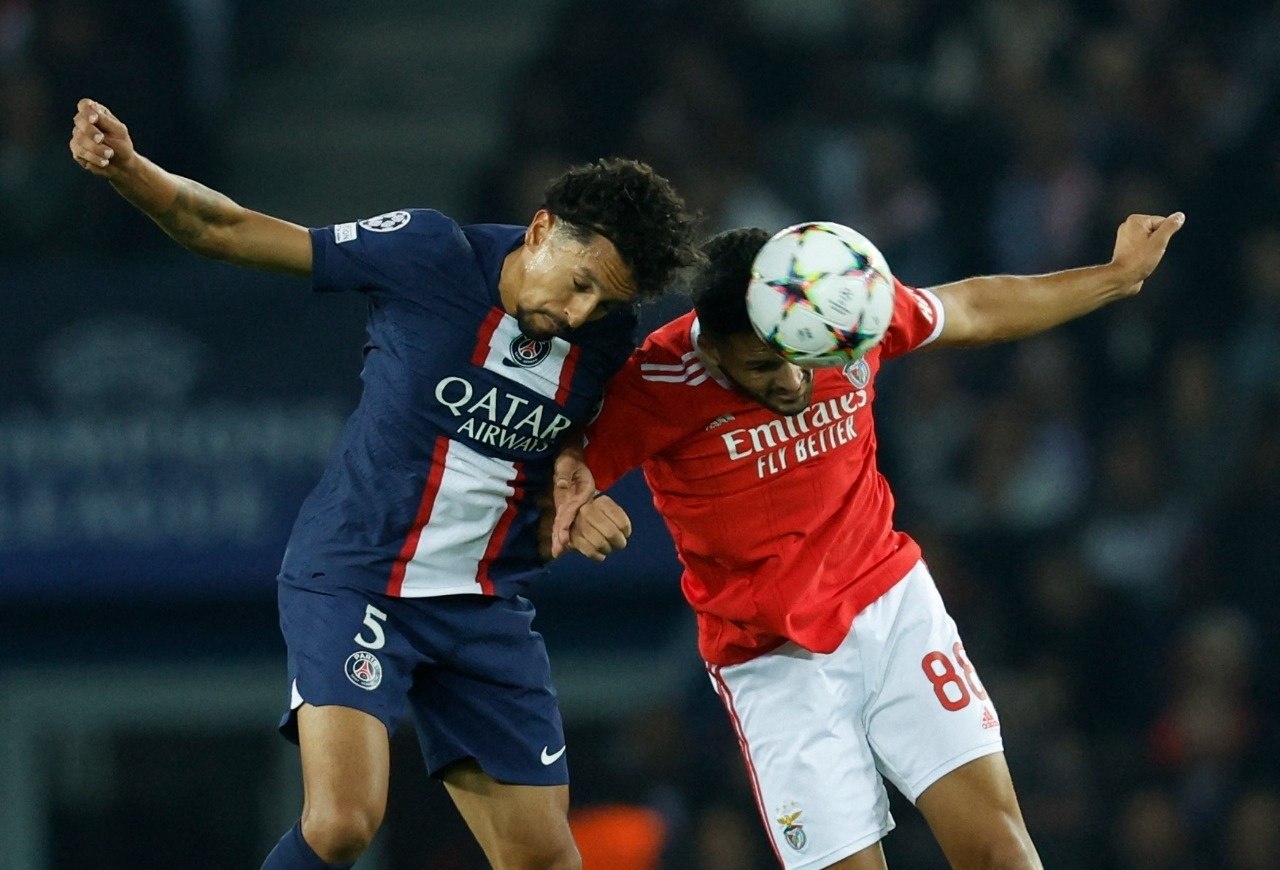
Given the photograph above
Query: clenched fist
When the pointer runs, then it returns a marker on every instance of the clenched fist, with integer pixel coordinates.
(100, 141)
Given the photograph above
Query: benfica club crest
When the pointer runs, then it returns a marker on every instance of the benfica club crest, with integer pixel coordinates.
(789, 817)
(858, 373)
(527, 352)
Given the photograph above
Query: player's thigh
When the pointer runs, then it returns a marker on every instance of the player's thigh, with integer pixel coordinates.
(929, 713)
(974, 815)
(490, 699)
(516, 825)
(870, 858)
(797, 715)
(346, 760)
(350, 667)
(347, 648)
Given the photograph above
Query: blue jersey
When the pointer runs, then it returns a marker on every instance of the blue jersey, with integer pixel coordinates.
(432, 488)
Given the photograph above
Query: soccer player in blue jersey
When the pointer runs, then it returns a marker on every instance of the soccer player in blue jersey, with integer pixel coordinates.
(403, 574)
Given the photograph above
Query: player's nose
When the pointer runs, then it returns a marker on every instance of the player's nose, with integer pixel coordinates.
(579, 308)
(790, 377)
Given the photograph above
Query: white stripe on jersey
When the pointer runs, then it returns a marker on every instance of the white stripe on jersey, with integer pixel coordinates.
(472, 498)
(689, 369)
(543, 378)
(694, 375)
(662, 367)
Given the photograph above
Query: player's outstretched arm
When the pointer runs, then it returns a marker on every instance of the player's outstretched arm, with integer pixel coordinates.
(1006, 307)
(198, 218)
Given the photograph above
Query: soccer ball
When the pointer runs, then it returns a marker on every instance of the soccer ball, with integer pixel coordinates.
(820, 294)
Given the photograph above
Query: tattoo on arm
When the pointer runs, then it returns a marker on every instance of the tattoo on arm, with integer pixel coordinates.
(193, 210)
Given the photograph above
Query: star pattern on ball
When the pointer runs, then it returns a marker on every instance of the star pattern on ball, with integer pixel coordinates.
(794, 290)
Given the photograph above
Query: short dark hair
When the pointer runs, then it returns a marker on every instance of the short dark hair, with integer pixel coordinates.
(635, 208)
(719, 285)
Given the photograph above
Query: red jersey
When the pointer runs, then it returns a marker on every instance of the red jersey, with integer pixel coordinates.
(784, 525)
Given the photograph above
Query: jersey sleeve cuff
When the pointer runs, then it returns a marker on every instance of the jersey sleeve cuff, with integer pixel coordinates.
(319, 249)
(940, 315)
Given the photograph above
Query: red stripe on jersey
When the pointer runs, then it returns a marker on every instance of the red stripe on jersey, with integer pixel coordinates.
(486, 335)
(499, 536)
(727, 697)
(566, 374)
(429, 493)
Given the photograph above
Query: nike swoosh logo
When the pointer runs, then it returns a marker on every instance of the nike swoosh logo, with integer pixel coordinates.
(549, 758)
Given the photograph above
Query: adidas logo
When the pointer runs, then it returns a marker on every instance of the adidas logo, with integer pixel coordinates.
(719, 421)
(988, 719)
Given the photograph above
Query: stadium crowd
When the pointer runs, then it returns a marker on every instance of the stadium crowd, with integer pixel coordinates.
(1101, 503)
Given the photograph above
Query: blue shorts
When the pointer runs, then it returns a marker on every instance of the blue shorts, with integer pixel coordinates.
(473, 670)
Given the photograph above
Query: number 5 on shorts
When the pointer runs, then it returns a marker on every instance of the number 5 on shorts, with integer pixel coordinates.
(373, 618)
(938, 668)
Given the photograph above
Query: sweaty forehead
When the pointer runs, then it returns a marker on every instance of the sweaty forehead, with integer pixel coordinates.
(748, 348)
(601, 257)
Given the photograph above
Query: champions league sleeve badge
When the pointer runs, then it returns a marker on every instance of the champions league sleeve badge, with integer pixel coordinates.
(386, 223)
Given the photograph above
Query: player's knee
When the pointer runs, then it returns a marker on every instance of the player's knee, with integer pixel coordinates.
(1011, 849)
(558, 854)
(1012, 858)
(340, 834)
(991, 841)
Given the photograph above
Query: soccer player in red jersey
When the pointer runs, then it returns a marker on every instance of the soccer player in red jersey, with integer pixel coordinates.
(822, 630)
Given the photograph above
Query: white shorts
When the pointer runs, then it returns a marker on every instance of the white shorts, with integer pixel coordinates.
(897, 698)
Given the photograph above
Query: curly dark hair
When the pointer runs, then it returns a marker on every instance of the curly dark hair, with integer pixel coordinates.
(719, 285)
(635, 208)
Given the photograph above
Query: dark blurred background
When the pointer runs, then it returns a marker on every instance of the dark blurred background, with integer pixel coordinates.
(1099, 505)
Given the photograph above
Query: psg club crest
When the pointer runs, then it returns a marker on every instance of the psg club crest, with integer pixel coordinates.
(858, 373)
(527, 352)
(364, 669)
(386, 223)
(789, 816)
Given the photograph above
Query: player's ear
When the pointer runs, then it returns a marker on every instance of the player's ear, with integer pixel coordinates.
(710, 350)
(539, 228)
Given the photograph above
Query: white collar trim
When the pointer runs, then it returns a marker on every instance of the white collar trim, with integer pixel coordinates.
(695, 330)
